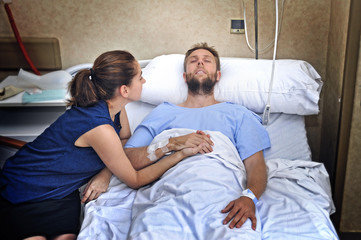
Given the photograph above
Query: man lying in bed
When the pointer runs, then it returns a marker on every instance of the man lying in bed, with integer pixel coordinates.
(201, 111)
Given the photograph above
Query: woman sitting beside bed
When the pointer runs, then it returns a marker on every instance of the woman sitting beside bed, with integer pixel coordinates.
(39, 184)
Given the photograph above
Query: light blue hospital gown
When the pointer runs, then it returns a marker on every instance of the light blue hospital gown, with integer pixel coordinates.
(240, 125)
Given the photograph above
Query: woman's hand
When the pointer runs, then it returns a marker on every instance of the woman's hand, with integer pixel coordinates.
(96, 186)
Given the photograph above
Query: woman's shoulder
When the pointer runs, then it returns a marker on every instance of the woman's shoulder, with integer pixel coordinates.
(100, 108)
(95, 114)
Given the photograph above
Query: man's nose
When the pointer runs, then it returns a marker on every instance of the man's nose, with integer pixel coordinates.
(200, 62)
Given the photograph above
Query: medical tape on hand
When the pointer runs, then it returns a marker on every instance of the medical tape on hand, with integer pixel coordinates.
(153, 147)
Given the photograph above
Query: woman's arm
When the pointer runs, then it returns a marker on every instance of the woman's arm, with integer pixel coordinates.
(100, 182)
(107, 144)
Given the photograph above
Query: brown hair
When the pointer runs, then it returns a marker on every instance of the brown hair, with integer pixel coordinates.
(110, 71)
(204, 46)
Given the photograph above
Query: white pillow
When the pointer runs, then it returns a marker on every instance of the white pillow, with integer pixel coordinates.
(296, 85)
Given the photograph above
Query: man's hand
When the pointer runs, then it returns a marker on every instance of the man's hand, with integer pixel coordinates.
(192, 140)
(243, 208)
(240, 210)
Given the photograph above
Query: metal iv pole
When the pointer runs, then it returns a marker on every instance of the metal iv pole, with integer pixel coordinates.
(256, 27)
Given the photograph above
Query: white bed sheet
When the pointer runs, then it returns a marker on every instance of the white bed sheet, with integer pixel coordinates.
(296, 204)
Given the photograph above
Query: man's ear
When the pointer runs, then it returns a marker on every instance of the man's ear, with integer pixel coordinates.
(184, 76)
(124, 91)
(218, 75)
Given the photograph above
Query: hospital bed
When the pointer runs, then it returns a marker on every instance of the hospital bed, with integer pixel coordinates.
(185, 202)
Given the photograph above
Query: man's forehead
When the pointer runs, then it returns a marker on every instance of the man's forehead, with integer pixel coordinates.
(200, 53)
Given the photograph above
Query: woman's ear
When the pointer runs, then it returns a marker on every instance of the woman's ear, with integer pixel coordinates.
(124, 91)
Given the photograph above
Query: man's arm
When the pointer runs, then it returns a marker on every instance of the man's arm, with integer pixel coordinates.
(256, 173)
(243, 208)
(139, 156)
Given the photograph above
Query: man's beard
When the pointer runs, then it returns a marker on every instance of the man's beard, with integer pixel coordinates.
(205, 87)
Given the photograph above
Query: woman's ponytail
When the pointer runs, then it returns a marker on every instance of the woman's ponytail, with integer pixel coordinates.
(82, 90)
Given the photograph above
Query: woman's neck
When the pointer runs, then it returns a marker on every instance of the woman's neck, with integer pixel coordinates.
(115, 106)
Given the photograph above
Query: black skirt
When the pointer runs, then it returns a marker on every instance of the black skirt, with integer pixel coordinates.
(46, 218)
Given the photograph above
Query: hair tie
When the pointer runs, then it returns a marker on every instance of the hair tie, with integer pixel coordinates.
(91, 77)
